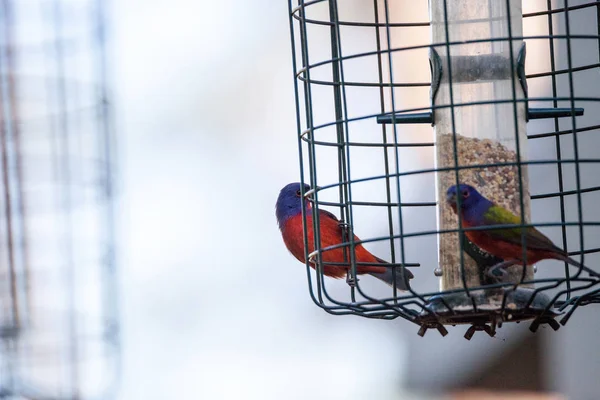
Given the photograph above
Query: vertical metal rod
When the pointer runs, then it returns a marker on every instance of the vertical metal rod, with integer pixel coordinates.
(518, 126)
(396, 148)
(6, 182)
(343, 167)
(66, 201)
(311, 157)
(559, 166)
(18, 156)
(110, 299)
(299, 134)
(574, 130)
(8, 117)
(386, 161)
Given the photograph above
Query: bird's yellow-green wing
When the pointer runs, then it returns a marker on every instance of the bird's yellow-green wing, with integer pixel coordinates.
(500, 215)
(535, 239)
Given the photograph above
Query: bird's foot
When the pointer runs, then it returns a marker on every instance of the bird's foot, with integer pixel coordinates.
(350, 280)
(345, 228)
(496, 274)
(498, 271)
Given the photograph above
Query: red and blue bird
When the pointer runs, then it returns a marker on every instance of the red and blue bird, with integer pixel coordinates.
(505, 243)
(331, 232)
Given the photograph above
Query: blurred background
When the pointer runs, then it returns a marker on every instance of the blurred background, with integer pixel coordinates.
(210, 303)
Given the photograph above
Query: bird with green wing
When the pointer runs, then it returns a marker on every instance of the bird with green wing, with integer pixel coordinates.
(505, 243)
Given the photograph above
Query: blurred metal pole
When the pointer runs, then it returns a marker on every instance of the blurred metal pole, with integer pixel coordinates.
(14, 116)
(8, 116)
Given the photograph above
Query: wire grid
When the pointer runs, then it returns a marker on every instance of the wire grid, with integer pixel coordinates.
(310, 21)
(58, 304)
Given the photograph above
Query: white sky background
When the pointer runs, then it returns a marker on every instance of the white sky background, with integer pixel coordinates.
(213, 305)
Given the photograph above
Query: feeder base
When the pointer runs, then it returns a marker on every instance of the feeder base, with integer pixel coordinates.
(486, 310)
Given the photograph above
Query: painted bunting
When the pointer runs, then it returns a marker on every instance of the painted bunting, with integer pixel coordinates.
(477, 211)
(289, 218)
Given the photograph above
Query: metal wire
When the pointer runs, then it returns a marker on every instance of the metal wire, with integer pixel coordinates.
(567, 293)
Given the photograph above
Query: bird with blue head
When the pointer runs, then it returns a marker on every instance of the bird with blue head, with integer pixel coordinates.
(288, 210)
(505, 243)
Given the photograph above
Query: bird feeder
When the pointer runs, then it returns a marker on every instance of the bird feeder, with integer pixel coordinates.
(480, 133)
(479, 106)
(482, 140)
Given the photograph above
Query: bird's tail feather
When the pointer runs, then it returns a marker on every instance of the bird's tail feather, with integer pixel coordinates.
(401, 280)
(579, 265)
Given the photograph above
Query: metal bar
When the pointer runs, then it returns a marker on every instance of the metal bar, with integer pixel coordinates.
(559, 167)
(18, 156)
(110, 309)
(541, 113)
(427, 117)
(400, 118)
(8, 208)
(66, 200)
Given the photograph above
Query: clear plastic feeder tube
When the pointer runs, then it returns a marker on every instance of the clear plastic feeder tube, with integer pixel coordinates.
(479, 133)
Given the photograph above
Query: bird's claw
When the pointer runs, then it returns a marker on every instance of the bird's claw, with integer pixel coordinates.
(344, 227)
(496, 272)
(350, 280)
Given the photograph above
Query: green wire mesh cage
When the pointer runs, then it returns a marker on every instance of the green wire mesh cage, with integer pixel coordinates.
(392, 111)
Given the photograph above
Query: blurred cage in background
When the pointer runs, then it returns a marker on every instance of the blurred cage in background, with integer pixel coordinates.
(58, 300)
(366, 102)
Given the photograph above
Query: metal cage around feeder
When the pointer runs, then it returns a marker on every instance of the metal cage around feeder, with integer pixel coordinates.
(350, 59)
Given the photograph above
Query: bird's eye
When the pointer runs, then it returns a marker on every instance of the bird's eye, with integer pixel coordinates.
(465, 194)
(298, 193)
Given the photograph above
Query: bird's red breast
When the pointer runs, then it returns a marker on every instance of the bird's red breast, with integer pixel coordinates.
(330, 235)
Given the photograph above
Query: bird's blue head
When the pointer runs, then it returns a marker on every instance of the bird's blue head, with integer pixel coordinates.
(469, 197)
(289, 203)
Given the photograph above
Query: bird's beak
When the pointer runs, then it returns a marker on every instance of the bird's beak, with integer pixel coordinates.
(311, 192)
(451, 198)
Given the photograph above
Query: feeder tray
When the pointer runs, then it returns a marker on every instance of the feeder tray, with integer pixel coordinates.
(488, 306)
